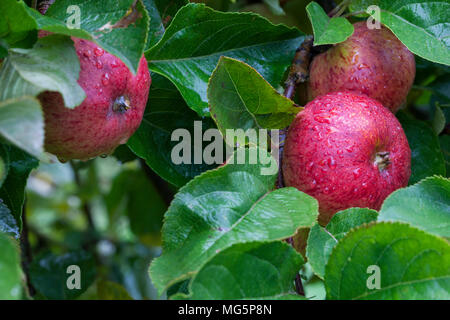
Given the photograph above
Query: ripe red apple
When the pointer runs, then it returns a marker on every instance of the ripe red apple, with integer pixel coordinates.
(373, 62)
(346, 150)
(110, 114)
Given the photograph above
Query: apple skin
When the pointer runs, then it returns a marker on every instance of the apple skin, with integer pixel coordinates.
(335, 151)
(110, 114)
(373, 62)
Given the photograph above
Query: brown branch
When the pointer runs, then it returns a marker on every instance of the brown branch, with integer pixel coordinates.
(299, 70)
(86, 208)
(298, 73)
(26, 254)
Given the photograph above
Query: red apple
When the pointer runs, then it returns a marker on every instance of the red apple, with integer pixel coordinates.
(373, 62)
(110, 114)
(346, 150)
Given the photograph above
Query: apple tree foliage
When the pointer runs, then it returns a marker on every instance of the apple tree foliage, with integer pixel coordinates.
(141, 227)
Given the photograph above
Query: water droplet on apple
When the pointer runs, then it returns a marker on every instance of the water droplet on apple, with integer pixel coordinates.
(87, 53)
(362, 66)
(331, 163)
(103, 156)
(357, 173)
(322, 119)
(99, 51)
(319, 136)
(105, 79)
(99, 64)
(114, 64)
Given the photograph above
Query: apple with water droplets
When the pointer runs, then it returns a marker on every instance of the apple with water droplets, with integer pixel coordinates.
(371, 61)
(110, 114)
(346, 150)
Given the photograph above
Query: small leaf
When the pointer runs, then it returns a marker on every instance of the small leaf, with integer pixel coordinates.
(229, 205)
(8, 224)
(161, 14)
(235, 104)
(48, 274)
(425, 205)
(249, 271)
(51, 64)
(198, 36)
(13, 189)
(22, 124)
(108, 290)
(321, 241)
(11, 278)
(438, 123)
(17, 28)
(274, 6)
(426, 154)
(4, 163)
(421, 26)
(327, 30)
(412, 264)
(116, 26)
(133, 194)
(444, 140)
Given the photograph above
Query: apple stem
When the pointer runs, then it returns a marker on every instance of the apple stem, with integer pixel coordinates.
(121, 104)
(298, 72)
(382, 160)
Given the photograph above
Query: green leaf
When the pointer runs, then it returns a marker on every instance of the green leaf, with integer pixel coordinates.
(13, 189)
(111, 24)
(166, 112)
(4, 163)
(17, 28)
(49, 274)
(134, 194)
(52, 64)
(412, 264)
(440, 87)
(108, 290)
(438, 123)
(445, 145)
(425, 205)
(327, 30)
(235, 104)
(248, 271)
(421, 26)
(161, 13)
(426, 154)
(232, 204)
(274, 6)
(22, 124)
(11, 279)
(8, 224)
(3, 171)
(198, 36)
(321, 241)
